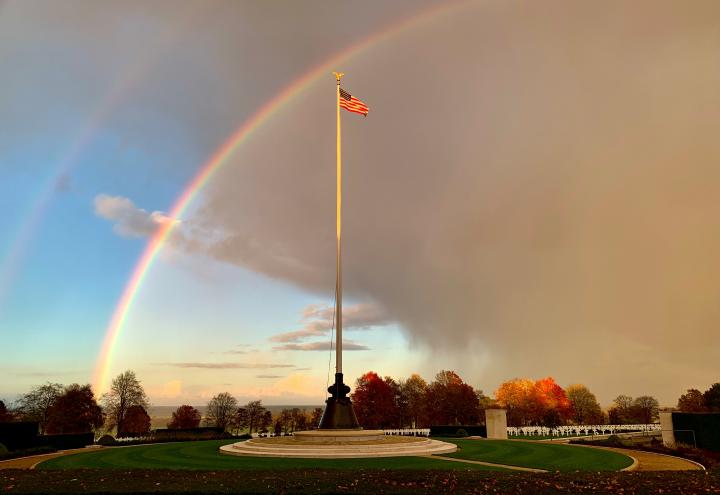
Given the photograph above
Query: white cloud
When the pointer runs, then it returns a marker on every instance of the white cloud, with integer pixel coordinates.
(128, 219)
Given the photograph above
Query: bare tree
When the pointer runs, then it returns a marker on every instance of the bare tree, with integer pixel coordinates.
(255, 413)
(125, 392)
(36, 404)
(222, 410)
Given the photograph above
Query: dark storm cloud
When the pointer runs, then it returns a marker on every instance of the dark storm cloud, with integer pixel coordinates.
(534, 190)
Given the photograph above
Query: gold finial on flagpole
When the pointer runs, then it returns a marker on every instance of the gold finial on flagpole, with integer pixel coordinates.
(338, 75)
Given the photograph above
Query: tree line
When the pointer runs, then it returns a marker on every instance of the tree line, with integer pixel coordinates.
(379, 402)
(695, 401)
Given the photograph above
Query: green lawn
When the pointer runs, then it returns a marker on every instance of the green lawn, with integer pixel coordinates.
(204, 455)
(553, 457)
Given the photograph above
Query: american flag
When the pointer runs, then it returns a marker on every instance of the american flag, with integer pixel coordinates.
(352, 104)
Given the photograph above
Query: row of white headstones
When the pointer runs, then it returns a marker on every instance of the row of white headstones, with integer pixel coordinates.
(541, 431)
(580, 430)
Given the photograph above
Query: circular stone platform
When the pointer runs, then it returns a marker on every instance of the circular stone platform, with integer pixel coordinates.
(338, 444)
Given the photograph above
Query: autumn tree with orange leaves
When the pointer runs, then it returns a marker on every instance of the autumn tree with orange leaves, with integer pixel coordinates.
(542, 402)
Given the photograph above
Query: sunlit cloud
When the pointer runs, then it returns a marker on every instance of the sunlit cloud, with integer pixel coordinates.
(348, 345)
(229, 366)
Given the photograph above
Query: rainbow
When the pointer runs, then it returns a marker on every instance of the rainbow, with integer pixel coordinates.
(219, 157)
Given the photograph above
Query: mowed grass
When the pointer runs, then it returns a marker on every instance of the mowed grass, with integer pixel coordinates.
(552, 457)
(204, 455)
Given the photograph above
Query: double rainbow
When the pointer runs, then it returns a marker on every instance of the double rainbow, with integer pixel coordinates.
(219, 158)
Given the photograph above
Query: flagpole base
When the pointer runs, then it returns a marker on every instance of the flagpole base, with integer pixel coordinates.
(339, 413)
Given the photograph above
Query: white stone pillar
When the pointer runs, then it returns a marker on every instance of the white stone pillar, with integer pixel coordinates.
(496, 423)
(666, 425)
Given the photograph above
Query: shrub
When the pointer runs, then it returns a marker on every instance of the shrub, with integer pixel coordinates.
(3, 449)
(461, 433)
(107, 441)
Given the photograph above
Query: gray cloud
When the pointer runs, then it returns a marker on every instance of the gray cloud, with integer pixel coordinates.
(359, 316)
(348, 345)
(268, 376)
(229, 366)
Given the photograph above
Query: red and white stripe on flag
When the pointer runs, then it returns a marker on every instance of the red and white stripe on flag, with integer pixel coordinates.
(352, 104)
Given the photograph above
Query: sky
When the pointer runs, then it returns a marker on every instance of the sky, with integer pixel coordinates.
(534, 193)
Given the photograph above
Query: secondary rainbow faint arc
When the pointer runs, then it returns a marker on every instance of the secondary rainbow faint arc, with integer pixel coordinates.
(122, 308)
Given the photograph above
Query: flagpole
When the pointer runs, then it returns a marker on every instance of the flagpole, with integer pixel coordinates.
(338, 267)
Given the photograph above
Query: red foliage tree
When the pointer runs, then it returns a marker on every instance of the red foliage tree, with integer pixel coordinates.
(450, 401)
(374, 401)
(136, 422)
(75, 411)
(185, 417)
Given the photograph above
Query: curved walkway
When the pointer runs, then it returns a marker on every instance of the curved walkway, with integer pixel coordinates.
(31, 461)
(651, 461)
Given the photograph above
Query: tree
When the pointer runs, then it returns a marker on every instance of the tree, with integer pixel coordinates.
(125, 392)
(515, 396)
(222, 410)
(542, 402)
(450, 401)
(585, 408)
(136, 422)
(374, 401)
(692, 401)
(712, 398)
(414, 390)
(266, 421)
(255, 413)
(285, 420)
(185, 417)
(645, 409)
(5, 415)
(75, 411)
(315, 417)
(621, 412)
(36, 404)
(554, 406)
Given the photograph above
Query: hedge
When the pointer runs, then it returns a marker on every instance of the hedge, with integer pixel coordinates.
(66, 440)
(705, 425)
(19, 435)
(452, 430)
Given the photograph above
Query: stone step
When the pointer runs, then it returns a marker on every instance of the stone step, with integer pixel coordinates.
(339, 451)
